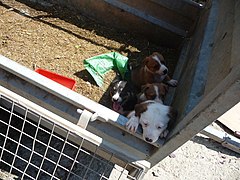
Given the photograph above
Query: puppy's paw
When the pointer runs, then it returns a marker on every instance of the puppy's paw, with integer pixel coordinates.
(132, 124)
(173, 82)
(164, 134)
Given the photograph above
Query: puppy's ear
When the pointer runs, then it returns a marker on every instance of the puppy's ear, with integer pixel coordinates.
(163, 89)
(151, 64)
(115, 80)
(146, 61)
(140, 108)
(172, 113)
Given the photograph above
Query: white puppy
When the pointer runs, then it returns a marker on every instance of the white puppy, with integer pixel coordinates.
(154, 118)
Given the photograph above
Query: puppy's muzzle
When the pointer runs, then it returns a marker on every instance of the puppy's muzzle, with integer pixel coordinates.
(165, 72)
(116, 98)
(148, 139)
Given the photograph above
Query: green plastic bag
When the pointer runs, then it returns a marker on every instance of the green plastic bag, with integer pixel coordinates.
(99, 65)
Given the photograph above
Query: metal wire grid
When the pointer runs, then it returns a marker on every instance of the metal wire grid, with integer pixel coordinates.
(31, 151)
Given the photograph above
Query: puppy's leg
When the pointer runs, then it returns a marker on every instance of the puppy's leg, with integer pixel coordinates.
(171, 82)
(164, 134)
(132, 124)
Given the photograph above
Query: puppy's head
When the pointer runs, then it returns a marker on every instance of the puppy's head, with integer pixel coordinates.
(155, 91)
(154, 118)
(123, 97)
(156, 64)
(117, 93)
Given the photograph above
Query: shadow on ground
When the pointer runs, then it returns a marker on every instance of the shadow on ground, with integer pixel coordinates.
(213, 145)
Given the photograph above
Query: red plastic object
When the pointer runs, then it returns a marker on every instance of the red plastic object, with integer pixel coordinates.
(65, 81)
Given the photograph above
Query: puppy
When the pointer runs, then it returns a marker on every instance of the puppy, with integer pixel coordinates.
(152, 70)
(155, 91)
(154, 118)
(123, 97)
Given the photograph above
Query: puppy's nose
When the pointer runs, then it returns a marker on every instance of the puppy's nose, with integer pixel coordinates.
(114, 99)
(165, 71)
(148, 139)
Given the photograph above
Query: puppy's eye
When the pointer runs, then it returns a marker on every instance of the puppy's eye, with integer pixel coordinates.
(159, 127)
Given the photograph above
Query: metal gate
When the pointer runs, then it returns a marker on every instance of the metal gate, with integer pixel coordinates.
(34, 146)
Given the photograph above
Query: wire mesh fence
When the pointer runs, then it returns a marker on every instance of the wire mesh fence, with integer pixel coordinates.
(29, 150)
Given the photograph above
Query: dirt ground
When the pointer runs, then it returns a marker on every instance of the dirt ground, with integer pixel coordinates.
(53, 39)
(199, 158)
(56, 39)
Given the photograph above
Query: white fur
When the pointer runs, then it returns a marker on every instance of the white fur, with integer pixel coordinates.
(173, 82)
(162, 68)
(157, 99)
(117, 97)
(155, 57)
(133, 123)
(154, 121)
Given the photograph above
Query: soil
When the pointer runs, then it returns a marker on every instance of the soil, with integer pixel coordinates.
(56, 39)
(199, 158)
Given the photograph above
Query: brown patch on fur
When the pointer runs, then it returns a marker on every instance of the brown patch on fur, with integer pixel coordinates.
(149, 91)
(139, 77)
(141, 108)
(151, 64)
(162, 89)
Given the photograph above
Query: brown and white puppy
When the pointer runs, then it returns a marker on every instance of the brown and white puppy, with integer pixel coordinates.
(154, 91)
(152, 70)
(154, 118)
